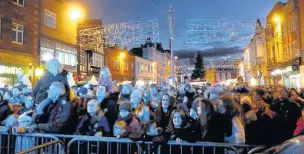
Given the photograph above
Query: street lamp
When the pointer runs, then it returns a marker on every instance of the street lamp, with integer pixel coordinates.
(122, 55)
(75, 14)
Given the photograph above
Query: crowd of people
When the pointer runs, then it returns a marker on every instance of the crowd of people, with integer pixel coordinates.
(158, 113)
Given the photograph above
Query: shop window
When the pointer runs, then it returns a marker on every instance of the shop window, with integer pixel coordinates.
(46, 54)
(17, 36)
(50, 18)
(97, 60)
(19, 2)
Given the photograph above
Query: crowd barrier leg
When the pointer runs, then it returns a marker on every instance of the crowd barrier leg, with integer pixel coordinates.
(14, 143)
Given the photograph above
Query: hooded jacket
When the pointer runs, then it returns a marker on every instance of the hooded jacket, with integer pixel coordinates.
(43, 85)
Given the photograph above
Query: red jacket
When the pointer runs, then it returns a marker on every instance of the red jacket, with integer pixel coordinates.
(300, 127)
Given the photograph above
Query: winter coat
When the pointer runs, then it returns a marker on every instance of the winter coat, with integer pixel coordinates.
(264, 131)
(5, 110)
(91, 125)
(217, 127)
(189, 132)
(162, 119)
(300, 127)
(132, 123)
(289, 112)
(43, 85)
(110, 110)
(56, 117)
(238, 132)
(106, 82)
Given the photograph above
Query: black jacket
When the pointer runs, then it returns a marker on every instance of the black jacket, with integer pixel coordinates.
(56, 118)
(289, 112)
(5, 110)
(43, 85)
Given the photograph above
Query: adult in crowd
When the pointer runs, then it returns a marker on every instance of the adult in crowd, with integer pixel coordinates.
(54, 112)
(288, 110)
(126, 115)
(212, 127)
(54, 72)
(94, 123)
(180, 129)
(163, 113)
(140, 110)
(125, 93)
(106, 79)
(232, 113)
(107, 105)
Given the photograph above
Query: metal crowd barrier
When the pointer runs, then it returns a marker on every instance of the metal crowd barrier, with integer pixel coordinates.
(76, 144)
(14, 143)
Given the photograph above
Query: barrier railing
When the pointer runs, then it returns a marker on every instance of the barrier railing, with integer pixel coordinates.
(42, 146)
(83, 144)
(14, 143)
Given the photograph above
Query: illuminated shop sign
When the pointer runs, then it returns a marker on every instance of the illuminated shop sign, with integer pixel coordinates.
(9, 69)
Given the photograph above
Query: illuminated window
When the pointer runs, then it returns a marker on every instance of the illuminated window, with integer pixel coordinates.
(50, 18)
(17, 36)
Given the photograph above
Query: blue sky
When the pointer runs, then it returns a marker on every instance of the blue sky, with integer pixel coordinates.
(118, 11)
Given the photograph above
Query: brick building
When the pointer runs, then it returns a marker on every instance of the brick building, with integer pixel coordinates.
(18, 38)
(120, 63)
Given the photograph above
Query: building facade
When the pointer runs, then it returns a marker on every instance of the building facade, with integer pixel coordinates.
(285, 44)
(155, 52)
(120, 63)
(255, 57)
(58, 34)
(145, 71)
(18, 39)
(91, 55)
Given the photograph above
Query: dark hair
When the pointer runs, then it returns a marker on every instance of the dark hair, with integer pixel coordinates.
(260, 91)
(171, 125)
(159, 112)
(232, 108)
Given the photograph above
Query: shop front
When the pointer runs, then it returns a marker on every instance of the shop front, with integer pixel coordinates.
(289, 77)
(8, 73)
(11, 63)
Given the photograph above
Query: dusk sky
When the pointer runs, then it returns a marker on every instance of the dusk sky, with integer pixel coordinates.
(220, 11)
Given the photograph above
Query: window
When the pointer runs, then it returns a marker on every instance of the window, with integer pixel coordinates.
(17, 33)
(132, 66)
(228, 76)
(46, 54)
(151, 69)
(97, 60)
(116, 64)
(19, 2)
(50, 18)
(66, 58)
(223, 76)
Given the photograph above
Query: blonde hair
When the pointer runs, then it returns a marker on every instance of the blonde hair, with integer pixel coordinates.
(121, 123)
